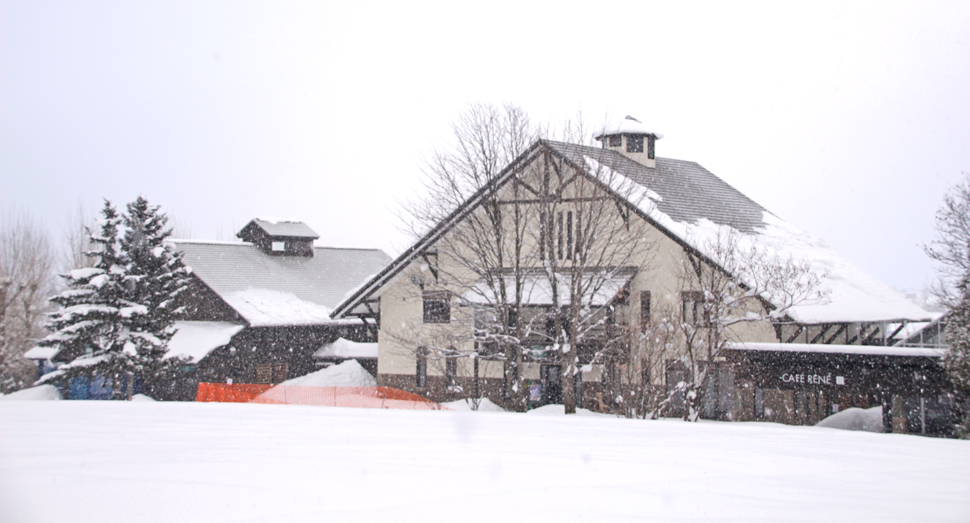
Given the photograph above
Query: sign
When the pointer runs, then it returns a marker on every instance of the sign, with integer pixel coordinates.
(812, 378)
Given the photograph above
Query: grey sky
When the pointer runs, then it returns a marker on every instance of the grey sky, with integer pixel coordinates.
(847, 121)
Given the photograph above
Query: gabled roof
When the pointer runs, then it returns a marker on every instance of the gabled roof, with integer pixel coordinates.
(280, 290)
(693, 206)
(283, 228)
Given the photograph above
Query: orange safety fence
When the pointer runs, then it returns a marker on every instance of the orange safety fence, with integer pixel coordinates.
(226, 393)
(360, 397)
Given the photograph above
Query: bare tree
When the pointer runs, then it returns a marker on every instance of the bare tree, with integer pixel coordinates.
(591, 250)
(738, 283)
(951, 247)
(482, 258)
(27, 262)
(77, 239)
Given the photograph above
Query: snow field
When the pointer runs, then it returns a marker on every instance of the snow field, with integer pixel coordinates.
(86, 461)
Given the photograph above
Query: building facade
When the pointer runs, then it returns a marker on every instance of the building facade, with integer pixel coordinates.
(600, 248)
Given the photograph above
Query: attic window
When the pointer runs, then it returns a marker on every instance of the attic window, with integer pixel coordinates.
(634, 144)
(616, 140)
(279, 246)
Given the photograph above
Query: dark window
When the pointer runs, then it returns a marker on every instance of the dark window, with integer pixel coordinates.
(451, 371)
(579, 236)
(693, 307)
(421, 369)
(437, 307)
(559, 235)
(542, 235)
(651, 143)
(569, 235)
(644, 310)
(616, 140)
(634, 143)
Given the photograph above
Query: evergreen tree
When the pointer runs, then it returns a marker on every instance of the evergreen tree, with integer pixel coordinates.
(117, 317)
(154, 278)
(87, 329)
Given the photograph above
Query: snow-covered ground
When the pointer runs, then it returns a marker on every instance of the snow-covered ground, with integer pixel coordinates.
(95, 461)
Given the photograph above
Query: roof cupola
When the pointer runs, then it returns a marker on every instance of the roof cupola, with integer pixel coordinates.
(279, 237)
(632, 139)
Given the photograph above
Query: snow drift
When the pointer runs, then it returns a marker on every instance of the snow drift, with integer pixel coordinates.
(869, 420)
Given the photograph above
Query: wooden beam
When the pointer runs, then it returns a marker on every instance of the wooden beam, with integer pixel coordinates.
(840, 330)
(797, 332)
(821, 333)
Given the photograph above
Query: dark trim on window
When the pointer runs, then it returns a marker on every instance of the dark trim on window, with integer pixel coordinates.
(559, 235)
(569, 235)
(693, 307)
(421, 368)
(644, 310)
(451, 371)
(436, 307)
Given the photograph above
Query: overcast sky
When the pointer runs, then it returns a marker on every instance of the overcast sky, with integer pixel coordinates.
(848, 121)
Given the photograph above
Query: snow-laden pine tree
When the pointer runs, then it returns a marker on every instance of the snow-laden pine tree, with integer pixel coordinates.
(88, 330)
(154, 277)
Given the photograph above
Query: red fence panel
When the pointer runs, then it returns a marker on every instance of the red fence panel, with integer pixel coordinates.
(360, 397)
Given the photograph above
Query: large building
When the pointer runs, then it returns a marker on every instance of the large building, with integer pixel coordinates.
(653, 222)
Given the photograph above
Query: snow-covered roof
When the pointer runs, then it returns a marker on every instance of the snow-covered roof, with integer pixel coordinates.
(284, 228)
(697, 207)
(869, 350)
(196, 339)
(343, 348)
(628, 125)
(41, 353)
(280, 290)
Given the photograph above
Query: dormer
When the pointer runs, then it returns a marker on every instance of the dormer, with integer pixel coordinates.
(632, 139)
(279, 237)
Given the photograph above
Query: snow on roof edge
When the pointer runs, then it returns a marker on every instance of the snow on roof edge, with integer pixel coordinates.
(870, 350)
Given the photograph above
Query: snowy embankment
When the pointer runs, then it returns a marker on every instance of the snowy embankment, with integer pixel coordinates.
(84, 461)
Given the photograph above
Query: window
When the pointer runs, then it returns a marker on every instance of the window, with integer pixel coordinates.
(693, 307)
(572, 242)
(437, 307)
(634, 143)
(279, 246)
(579, 237)
(451, 372)
(569, 235)
(271, 372)
(421, 368)
(651, 144)
(616, 140)
(644, 310)
(559, 235)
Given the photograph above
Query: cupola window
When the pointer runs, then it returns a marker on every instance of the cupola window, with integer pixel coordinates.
(634, 143)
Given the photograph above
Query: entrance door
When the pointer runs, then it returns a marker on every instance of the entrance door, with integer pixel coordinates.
(551, 384)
